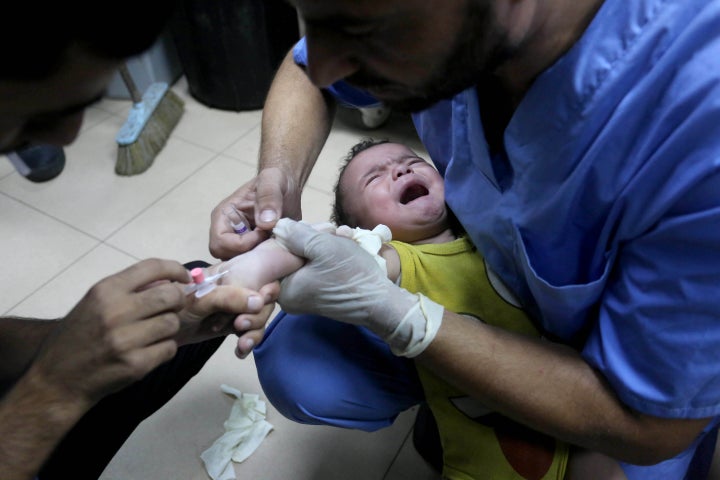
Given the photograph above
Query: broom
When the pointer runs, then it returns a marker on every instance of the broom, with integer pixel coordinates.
(151, 120)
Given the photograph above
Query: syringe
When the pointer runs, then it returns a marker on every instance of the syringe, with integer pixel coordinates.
(202, 285)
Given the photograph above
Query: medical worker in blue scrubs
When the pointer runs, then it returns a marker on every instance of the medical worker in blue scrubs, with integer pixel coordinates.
(579, 142)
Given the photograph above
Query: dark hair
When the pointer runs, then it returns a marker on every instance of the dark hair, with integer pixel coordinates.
(339, 215)
(36, 35)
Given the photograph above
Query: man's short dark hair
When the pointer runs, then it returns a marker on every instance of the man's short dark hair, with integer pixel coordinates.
(36, 35)
(339, 215)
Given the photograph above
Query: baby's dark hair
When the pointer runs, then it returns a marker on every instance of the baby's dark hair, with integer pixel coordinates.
(339, 215)
(37, 34)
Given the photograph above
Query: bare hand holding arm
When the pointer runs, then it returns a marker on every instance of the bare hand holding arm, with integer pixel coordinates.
(296, 122)
(117, 333)
(229, 309)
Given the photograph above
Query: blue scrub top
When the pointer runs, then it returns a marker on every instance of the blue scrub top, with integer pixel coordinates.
(603, 212)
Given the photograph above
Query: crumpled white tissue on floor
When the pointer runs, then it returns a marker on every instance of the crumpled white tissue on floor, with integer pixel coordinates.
(245, 429)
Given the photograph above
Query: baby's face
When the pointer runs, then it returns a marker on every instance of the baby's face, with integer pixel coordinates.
(391, 185)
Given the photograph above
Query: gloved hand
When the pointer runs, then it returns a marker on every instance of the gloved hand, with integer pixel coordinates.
(342, 281)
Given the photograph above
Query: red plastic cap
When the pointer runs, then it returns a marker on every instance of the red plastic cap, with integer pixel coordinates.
(197, 275)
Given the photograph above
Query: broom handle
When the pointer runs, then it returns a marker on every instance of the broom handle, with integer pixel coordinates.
(130, 84)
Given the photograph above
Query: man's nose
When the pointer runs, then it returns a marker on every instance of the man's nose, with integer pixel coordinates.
(329, 61)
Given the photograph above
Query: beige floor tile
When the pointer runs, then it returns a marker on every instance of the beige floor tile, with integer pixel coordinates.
(325, 173)
(400, 128)
(209, 127)
(94, 116)
(115, 106)
(316, 205)
(397, 128)
(409, 465)
(168, 445)
(177, 226)
(54, 238)
(305, 452)
(6, 167)
(36, 248)
(182, 89)
(57, 297)
(91, 197)
(246, 148)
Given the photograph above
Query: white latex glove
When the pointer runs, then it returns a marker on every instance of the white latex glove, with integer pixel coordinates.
(370, 240)
(342, 281)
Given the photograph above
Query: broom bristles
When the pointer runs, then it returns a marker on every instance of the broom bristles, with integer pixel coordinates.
(137, 156)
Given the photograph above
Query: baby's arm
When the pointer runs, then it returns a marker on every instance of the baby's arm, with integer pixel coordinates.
(267, 262)
(392, 261)
(270, 261)
(375, 243)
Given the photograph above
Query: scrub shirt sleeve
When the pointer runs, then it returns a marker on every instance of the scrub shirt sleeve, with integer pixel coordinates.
(657, 337)
(343, 93)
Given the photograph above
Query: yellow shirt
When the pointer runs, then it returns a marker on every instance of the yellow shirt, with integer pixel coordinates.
(477, 443)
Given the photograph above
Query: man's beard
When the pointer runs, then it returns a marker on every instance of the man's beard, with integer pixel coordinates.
(480, 47)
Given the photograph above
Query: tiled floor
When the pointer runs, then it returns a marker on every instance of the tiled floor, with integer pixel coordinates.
(61, 236)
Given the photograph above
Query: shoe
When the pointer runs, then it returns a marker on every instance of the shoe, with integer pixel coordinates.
(375, 117)
(364, 118)
(38, 163)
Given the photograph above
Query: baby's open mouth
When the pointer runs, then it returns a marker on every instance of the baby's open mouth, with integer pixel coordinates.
(413, 192)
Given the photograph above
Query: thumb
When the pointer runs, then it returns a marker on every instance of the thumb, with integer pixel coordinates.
(268, 198)
(294, 235)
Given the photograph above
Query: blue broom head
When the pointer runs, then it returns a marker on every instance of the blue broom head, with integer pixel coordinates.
(140, 113)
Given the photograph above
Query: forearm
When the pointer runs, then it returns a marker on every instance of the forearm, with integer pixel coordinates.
(266, 263)
(34, 417)
(543, 385)
(551, 389)
(296, 121)
(20, 339)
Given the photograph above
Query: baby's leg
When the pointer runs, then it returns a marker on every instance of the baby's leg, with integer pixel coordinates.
(267, 262)
(587, 465)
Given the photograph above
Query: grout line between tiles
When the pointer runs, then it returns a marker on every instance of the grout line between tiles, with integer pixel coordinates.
(254, 164)
(223, 149)
(166, 193)
(74, 262)
(45, 214)
(89, 126)
(214, 156)
(120, 250)
(397, 454)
